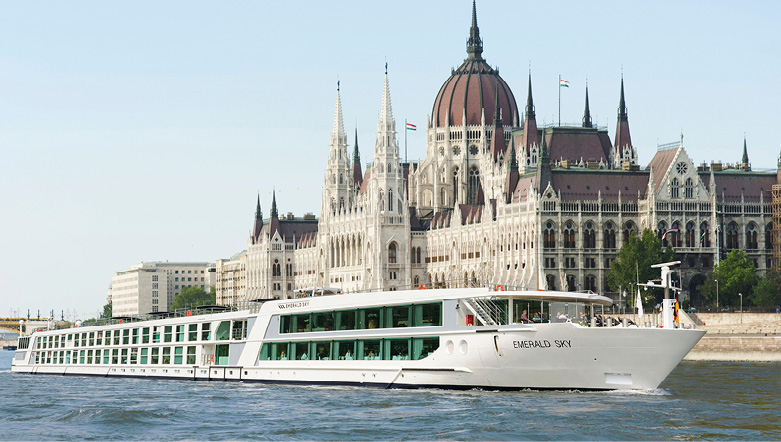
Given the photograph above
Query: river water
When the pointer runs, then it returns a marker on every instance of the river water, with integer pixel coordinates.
(699, 401)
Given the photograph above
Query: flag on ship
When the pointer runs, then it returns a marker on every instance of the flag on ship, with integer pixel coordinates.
(673, 230)
(411, 126)
(563, 83)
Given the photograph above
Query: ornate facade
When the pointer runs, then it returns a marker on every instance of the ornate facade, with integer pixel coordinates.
(500, 200)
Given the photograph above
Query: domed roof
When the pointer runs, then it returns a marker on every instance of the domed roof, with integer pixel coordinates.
(472, 89)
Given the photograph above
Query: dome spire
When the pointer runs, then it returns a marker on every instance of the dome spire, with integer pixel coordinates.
(474, 45)
(587, 112)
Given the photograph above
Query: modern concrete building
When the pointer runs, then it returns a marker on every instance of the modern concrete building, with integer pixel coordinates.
(152, 286)
(231, 279)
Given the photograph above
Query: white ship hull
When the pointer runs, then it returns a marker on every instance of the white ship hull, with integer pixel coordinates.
(511, 356)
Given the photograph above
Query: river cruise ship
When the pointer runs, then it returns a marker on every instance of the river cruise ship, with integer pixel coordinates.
(445, 338)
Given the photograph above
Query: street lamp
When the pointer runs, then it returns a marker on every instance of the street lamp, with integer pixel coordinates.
(741, 307)
(717, 295)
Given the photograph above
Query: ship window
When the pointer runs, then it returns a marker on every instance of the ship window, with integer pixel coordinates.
(323, 321)
(206, 331)
(428, 314)
(398, 316)
(135, 336)
(223, 331)
(106, 356)
(116, 338)
(124, 356)
(300, 350)
(285, 324)
(180, 333)
(144, 357)
(264, 350)
(168, 335)
(178, 351)
(92, 339)
(115, 356)
(81, 356)
(369, 318)
(345, 320)
(301, 323)
(323, 350)
(125, 336)
(83, 340)
(134, 356)
(192, 335)
(191, 355)
(396, 349)
(166, 359)
(345, 350)
(369, 350)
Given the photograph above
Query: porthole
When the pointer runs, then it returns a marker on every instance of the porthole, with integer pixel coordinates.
(449, 347)
(463, 347)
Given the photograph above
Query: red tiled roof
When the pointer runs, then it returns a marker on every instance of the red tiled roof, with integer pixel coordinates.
(589, 184)
(660, 163)
(576, 144)
(731, 184)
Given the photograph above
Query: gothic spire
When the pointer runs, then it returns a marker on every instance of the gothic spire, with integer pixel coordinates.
(474, 45)
(356, 154)
(529, 100)
(622, 114)
(274, 213)
(512, 163)
(745, 151)
(357, 173)
(258, 224)
(338, 134)
(386, 112)
(530, 136)
(544, 154)
(258, 213)
(587, 112)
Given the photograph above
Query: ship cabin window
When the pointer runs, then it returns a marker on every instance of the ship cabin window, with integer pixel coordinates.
(223, 331)
(409, 315)
(168, 333)
(322, 350)
(134, 356)
(300, 350)
(178, 352)
(239, 330)
(123, 358)
(166, 359)
(155, 356)
(428, 314)
(346, 320)
(115, 356)
(91, 339)
(369, 318)
(180, 333)
(192, 334)
(398, 316)
(206, 331)
(144, 356)
(370, 350)
(135, 335)
(116, 336)
(145, 335)
(106, 356)
(156, 335)
(126, 336)
(346, 350)
(83, 340)
(301, 323)
(323, 321)
(191, 355)
(99, 338)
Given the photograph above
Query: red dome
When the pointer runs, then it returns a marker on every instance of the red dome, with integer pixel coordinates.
(472, 89)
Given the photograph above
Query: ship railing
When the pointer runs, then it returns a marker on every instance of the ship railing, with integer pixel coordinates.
(487, 310)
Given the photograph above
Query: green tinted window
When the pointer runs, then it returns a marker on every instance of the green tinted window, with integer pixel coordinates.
(424, 347)
(300, 350)
(224, 331)
(398, 316)
(178, 352)
(323, 321)
(191, 355)
(369, 318)
(346, 319)
(144, 357)
(301, 323)
(428, 314)
(369, 350)
(345, 350)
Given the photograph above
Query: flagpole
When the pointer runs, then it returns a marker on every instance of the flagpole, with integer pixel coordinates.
(559, 100)
(405, 140)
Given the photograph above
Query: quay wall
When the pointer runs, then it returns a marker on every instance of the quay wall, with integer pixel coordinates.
(734, 318)
(737, 348)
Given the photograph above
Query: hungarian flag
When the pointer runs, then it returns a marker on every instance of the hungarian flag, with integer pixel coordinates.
(563, 83)
(411, 126)
(673, 230)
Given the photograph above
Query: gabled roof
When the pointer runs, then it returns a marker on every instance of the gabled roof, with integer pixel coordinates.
(660, 163)
(578, 143)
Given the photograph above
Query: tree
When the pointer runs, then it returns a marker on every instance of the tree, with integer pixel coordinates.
(636, 257)
(768, 291)
(107, 310)
(736, 274)
(193, 296)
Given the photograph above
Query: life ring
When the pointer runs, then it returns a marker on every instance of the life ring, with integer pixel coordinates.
(499, 288)
(422, 287)
(189, 313)
(120, 321)
(212, 359)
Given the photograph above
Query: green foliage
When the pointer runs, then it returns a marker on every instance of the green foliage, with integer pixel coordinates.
(636, 257)
(736, 274)
(767, 293)
(194, 296)
(107, 310)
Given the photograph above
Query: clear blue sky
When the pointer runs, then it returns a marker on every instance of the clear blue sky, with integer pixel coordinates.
(143, 131)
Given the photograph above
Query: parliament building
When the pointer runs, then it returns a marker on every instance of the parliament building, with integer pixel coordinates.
(499, 199)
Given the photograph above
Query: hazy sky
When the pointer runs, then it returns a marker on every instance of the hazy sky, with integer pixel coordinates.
(144, 131)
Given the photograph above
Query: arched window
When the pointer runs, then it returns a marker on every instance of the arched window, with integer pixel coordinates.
(674, 187)
(732, 236)
(549, 236)
(589, 237)
(392, 253)
(704, 235)
(610, 236)
(276, 269)
(769, 236)
(591, 283)
(675, 235)
(455, 184)
(629, 230)
(550, 282)
(389, 168)
(390, 200)
(417, 255)
(751, 237)
(690, 234)
(571, 283)
(689, 189)
(474, 184)
(341, 178)
(569, 235)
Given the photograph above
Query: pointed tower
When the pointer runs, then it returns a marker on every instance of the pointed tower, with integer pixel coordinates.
(274, 213)
(530, 135)
(337, 188)
(587, 112)
(357, 172)
(258, 225)
(623, 151)
(544, 176)
(498, 145)
(744, 164)
(511, 180)
(474, 45)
